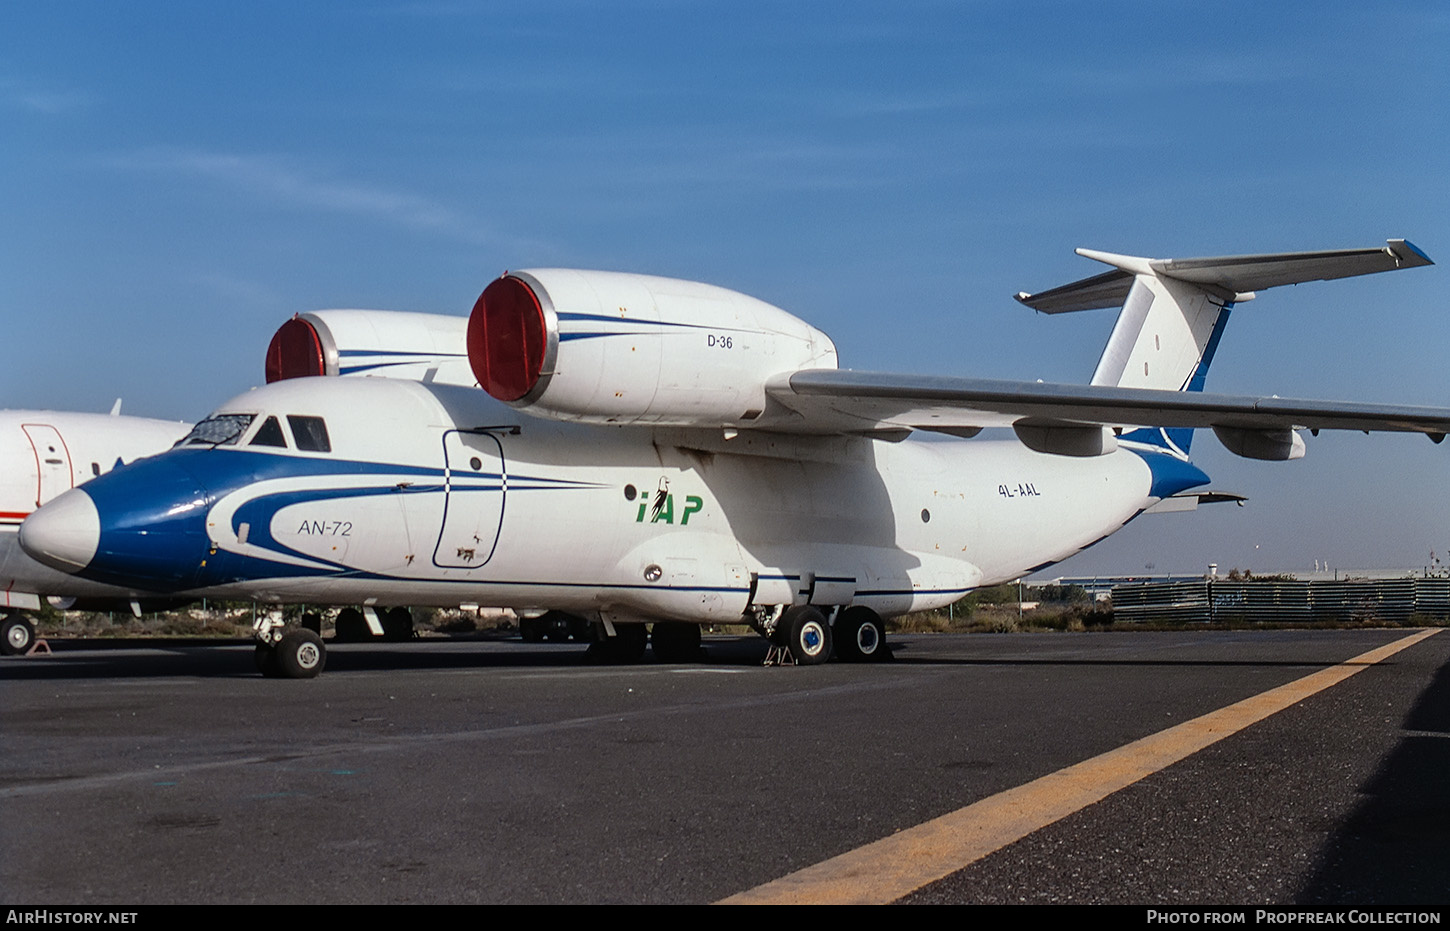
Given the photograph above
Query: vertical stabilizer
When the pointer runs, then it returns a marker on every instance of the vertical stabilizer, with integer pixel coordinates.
(1174, 311)
(1164, 336)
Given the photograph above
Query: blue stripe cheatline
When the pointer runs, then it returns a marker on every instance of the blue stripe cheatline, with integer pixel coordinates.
(401, 352)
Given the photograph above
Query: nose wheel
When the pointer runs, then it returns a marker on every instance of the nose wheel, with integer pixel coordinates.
(296, 654)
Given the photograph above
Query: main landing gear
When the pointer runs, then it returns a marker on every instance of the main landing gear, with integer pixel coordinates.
(392, 624)
(860, 636)
(556, 627)
(803, 636)
(624, 642)
(626, 645)
(676, 642)
(17, 635)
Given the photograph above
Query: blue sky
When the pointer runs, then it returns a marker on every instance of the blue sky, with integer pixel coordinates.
(176, 179)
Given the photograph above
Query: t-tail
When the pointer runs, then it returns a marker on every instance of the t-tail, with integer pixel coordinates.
(1174, 312)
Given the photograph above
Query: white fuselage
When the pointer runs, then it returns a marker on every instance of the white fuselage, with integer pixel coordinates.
(439, 495)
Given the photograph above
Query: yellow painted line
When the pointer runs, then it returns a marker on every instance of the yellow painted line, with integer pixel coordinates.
(894, 866)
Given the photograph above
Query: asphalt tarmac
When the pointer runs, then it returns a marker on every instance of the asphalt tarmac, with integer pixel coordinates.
(471, 771)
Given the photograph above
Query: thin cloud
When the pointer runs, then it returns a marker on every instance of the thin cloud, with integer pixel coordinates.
(242, 292)
(281, 182)
(45, 100)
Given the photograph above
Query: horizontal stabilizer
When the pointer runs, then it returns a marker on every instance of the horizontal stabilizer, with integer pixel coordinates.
(1232, 277)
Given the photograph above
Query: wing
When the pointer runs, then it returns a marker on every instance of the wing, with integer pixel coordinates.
(837, 401)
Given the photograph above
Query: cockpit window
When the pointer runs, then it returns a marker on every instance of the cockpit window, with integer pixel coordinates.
(310, 433)
(269, 434)
(221, 430)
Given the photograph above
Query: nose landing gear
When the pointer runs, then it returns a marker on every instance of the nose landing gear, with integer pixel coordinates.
(289, 654)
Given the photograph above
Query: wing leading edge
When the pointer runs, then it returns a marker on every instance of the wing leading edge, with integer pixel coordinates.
(845, 401)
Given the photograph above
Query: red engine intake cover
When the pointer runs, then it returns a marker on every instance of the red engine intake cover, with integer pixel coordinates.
(506, 339)
(295, 351)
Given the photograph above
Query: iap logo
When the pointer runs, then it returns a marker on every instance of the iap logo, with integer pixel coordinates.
(661, 505)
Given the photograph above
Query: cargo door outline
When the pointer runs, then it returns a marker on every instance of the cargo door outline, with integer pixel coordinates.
(473, 499)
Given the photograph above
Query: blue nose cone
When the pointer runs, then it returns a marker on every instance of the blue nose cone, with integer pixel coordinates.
(150, 525)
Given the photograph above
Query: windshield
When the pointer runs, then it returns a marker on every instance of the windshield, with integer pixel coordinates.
(221, 430)
(310, 433)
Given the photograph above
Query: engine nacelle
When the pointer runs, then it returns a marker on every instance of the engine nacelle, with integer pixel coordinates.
(609, 347)
(1270, 445)
(385, 343)
(1065, 439)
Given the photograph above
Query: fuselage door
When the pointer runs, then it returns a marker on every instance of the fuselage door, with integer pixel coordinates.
(52, 459)
(475, 484)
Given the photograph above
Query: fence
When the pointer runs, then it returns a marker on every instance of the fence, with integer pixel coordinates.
(1254, 600)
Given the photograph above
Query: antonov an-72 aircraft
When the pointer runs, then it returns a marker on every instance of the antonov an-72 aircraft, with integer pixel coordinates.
(652, 451)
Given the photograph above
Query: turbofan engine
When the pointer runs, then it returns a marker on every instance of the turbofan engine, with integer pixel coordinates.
(608, 347)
